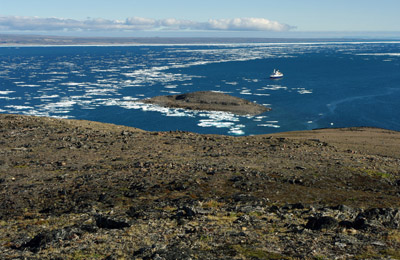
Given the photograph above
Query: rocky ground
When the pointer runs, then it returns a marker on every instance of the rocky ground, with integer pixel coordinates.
(209, 100)
(83, 190)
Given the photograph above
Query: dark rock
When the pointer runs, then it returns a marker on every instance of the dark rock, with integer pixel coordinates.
(243, 219)
(244, 198)
(346, 224)
(318, 223)
(105, 222)
(236, 178)
(89, 228)
(387, 217)
(343, 208)
(135, 212)
(295, 206)
(360, 223)
(144, 251)
(186, 212)
(51, 237)
(274, 208)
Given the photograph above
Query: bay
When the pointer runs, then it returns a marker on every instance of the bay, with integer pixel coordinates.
(325, 84)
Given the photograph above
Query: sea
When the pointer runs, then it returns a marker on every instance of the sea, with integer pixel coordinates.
(326, 84)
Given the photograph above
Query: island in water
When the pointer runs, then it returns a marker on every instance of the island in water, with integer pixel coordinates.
(209, 100)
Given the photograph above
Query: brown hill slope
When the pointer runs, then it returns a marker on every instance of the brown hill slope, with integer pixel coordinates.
(85, 190)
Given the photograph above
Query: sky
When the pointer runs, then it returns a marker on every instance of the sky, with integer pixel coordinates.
(215, 18)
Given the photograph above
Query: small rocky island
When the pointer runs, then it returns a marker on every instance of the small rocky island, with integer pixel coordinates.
(209, 100)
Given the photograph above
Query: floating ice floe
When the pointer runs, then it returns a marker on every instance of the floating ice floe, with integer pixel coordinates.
(274, 87)
(236, 131)
(220, 91)
(72, 84)
(28, 85)
(214, 123)
(258, 94)
(6, 92)
(379, 54)
(269, 125)
(129, 98)
(46, 97)
(58, 107)
(19, 107)
(9, 98)
(234, 83)
(302, 91)
(245, 92)
(259, 118)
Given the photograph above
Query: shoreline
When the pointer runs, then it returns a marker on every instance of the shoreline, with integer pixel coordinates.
(9, 40)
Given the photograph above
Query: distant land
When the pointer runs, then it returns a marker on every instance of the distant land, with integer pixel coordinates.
(14, 39)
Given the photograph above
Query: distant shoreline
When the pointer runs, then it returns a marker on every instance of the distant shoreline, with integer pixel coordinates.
(10, 40)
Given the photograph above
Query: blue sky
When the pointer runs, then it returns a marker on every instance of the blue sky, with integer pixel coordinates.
(241, 18)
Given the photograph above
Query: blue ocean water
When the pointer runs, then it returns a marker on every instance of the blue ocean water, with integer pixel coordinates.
(326, 84)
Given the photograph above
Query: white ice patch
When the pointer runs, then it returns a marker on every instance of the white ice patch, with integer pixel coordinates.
(104, 70)
(9, 98)
(28, 85)
(170, 92)
(72, 84)
(6, 92)
(269, 125)
(234, 83)
(266, 95)
(101, 92)
(130, 98)
(19, 107)
(379, 54)
(251, 80)
(302, 91)
(156, 75)
(213, 123)
(259, 118)
(274, 87)
(47, 81)
(220, 91)
(245, 92)
(170, 86)
(46, 97)
(64, 106)
(236, 131)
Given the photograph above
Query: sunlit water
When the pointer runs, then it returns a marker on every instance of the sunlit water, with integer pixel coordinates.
(324, 85)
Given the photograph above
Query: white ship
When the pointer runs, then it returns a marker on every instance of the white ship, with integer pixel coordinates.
(276, 74)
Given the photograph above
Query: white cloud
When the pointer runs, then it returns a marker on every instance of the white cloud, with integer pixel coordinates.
(247, 24)
(28, 23)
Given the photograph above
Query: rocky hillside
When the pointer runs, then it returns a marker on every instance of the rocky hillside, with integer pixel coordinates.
(84, 190)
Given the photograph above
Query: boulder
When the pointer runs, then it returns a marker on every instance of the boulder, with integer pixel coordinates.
(318, 223)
